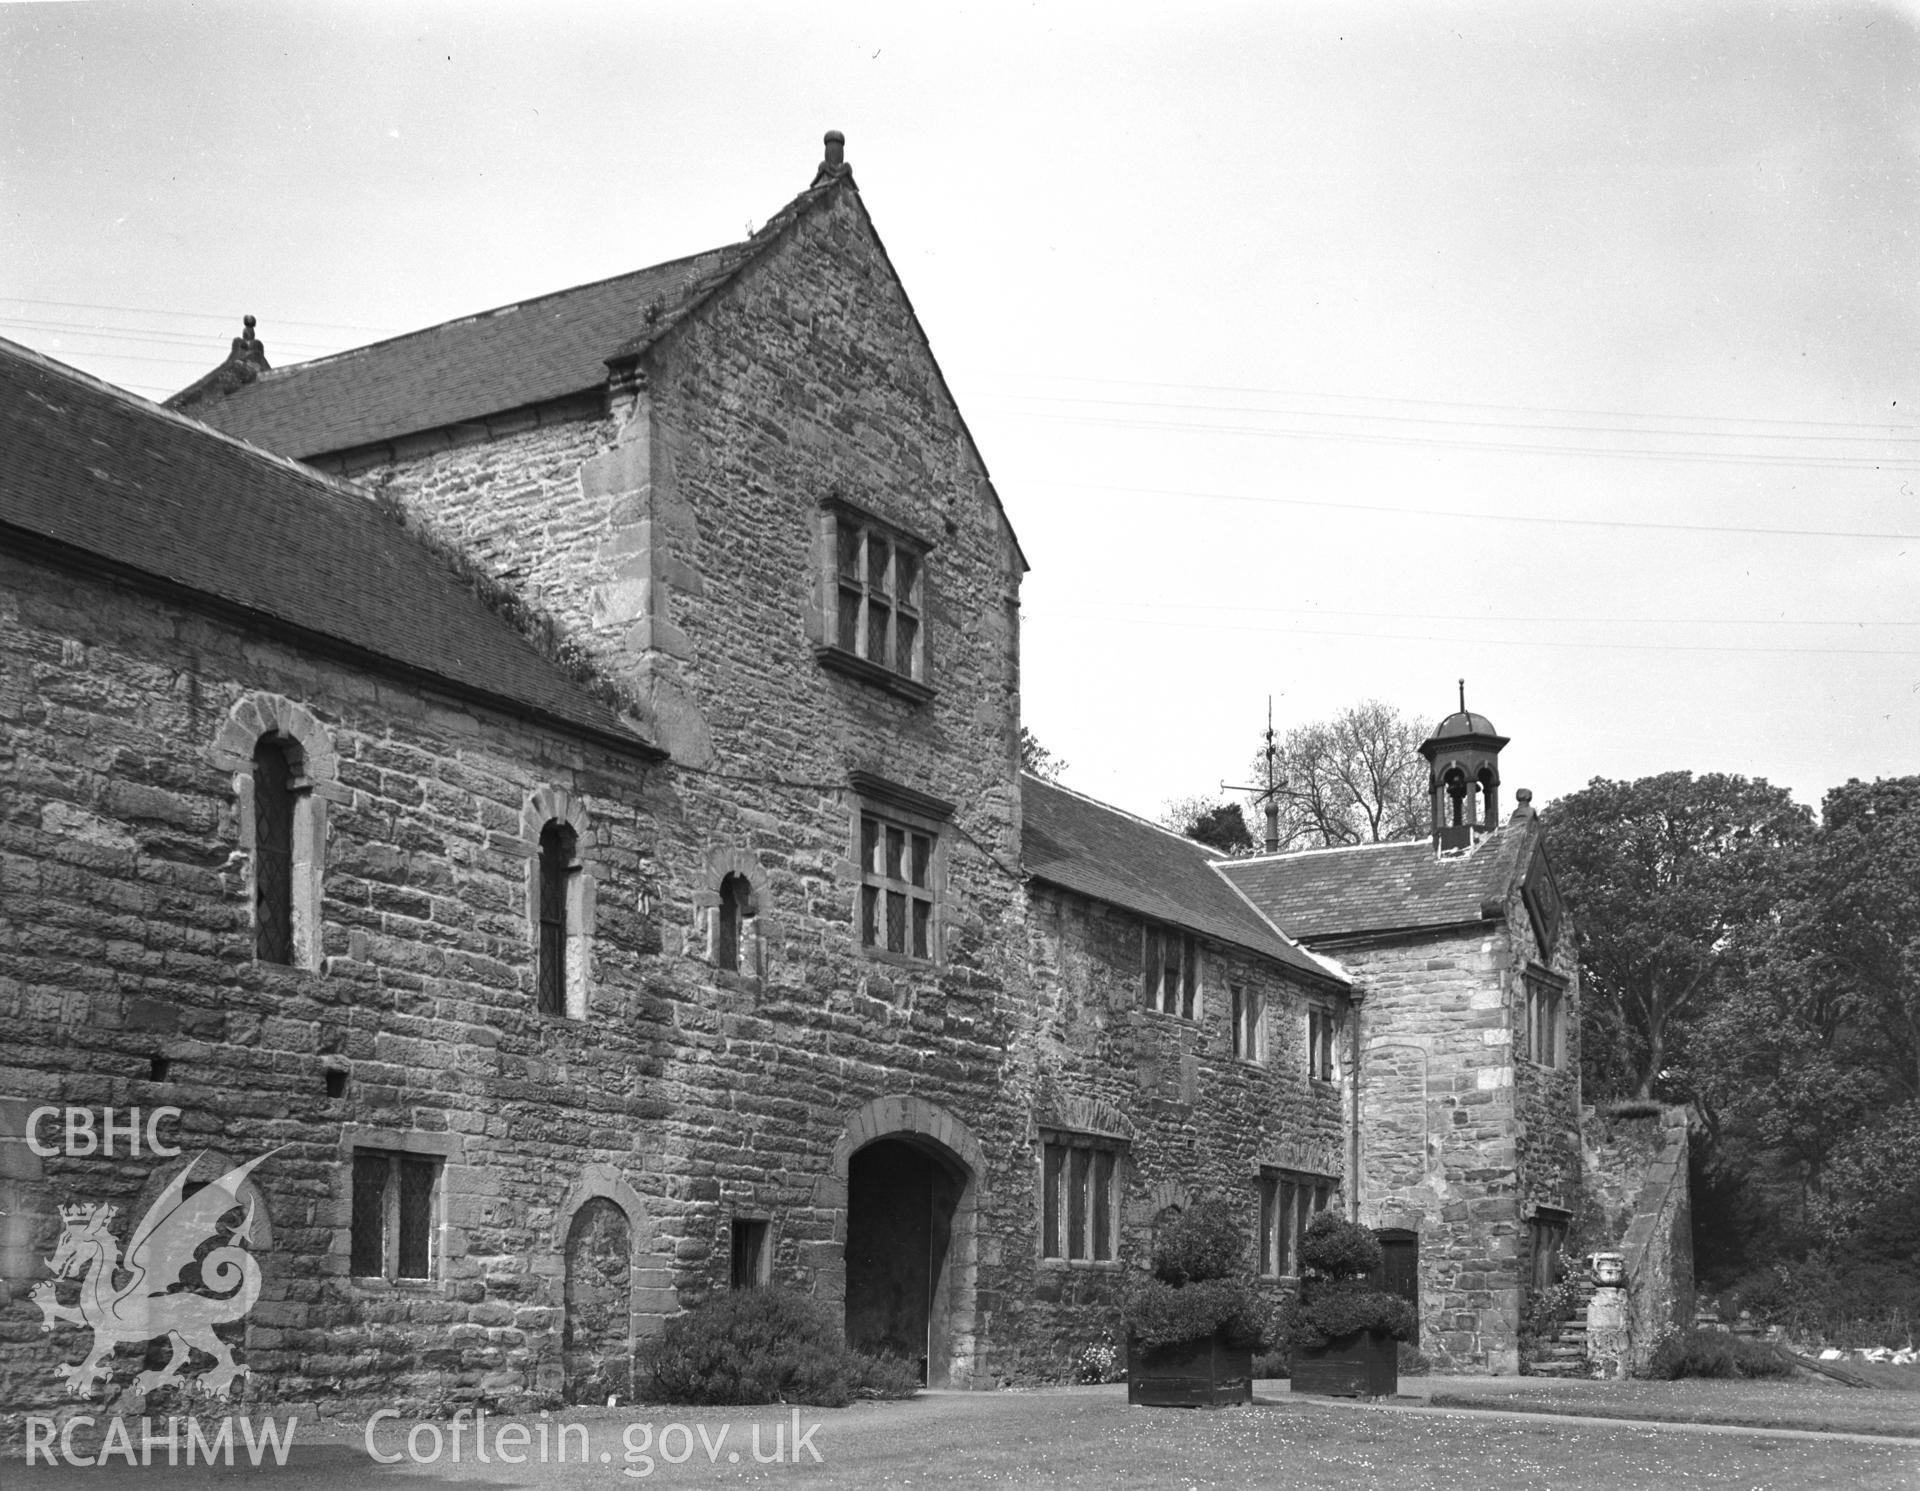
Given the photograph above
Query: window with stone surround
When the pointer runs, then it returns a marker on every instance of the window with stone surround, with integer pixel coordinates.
(1080, 1195)
(273, 829)
(1249, 1014)
(752, 1258)
(1289, 1199)
(1169, 971)
(898, 848)
(730, 921)
(1546, 994)
(284, 774)
(876, 603)
(395, 1214)
(560, 901)
(559, 864)
(1322, 1024)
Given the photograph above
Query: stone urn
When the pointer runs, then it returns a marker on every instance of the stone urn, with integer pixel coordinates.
(1609, 1270)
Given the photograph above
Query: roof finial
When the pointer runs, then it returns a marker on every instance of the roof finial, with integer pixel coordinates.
(835, 164)
(1463, 696)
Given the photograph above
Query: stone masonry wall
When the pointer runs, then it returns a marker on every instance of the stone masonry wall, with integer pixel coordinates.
(1548, 1146)
(1640, 1189)
(1463, 1137)
(127, 979)
(1197, 1119)
(680, 535)
(1437, 1144)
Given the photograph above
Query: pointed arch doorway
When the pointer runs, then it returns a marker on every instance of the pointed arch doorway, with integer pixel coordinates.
(911, 1174)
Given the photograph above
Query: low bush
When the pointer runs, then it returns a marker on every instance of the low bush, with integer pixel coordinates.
(1716, 1354)
(766, 1346)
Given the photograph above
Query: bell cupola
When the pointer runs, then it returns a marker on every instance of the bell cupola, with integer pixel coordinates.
(1463, 778)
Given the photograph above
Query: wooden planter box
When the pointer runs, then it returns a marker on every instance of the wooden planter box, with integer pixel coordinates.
(1363, 1364)
(1189, 1374)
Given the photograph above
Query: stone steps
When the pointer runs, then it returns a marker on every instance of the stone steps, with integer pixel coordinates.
(1566, 1354)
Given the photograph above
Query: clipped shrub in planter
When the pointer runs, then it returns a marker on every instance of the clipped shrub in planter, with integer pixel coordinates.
(1194, 1325)
(766, 1346)
(1345, 1333)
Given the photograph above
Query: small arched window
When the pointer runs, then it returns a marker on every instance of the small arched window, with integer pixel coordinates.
(560, 850)
(285, 773)
(558, 863)
(273, 819)
(736, 905)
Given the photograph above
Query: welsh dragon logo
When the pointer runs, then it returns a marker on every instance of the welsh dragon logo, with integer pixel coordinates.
(155, 1298)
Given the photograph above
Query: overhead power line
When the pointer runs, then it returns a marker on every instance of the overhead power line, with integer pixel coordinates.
(1466, 618)
(1389, 399)
(1473, 424)
(223, 317)
(1269, 500)
(1456, 640)
(1508, 447)
(207, 346)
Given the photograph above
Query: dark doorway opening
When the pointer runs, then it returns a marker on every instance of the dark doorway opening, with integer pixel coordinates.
(901, 1198)
(1400, 1269)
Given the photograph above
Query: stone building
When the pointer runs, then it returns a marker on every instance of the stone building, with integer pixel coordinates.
(1466, 982)
(563, 985)
(546, 787)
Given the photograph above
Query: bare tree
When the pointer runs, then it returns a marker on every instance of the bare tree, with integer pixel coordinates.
(1037, 759)
(1357, 778)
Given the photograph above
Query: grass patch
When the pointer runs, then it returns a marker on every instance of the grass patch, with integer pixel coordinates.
(1087, 1439)
(1886, 1375)
(1760, 1404)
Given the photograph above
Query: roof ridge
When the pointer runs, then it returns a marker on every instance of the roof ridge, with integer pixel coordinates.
(1180, 838)
(339, 486)
(1254, 859)
(748, 249)
(462, 572)
(498, 310)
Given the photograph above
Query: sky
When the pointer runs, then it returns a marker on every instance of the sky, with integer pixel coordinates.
(1319, 352)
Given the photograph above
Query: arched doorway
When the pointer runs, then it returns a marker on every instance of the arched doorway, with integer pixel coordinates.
(902, 1196)
(944, 1167)
(596, 1342)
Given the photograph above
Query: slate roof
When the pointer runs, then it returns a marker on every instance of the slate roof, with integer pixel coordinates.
(1085, 846)
(96, 470)
(1324, 893)
(464, 370)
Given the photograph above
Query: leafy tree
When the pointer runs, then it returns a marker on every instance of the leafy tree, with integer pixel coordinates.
(1357, 778)
(1668, 878)
(1037, 759)
(1857, 914)
(1219, 825)
(1816, 1055)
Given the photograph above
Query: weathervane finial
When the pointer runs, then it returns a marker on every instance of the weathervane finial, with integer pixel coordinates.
(1463, 696)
